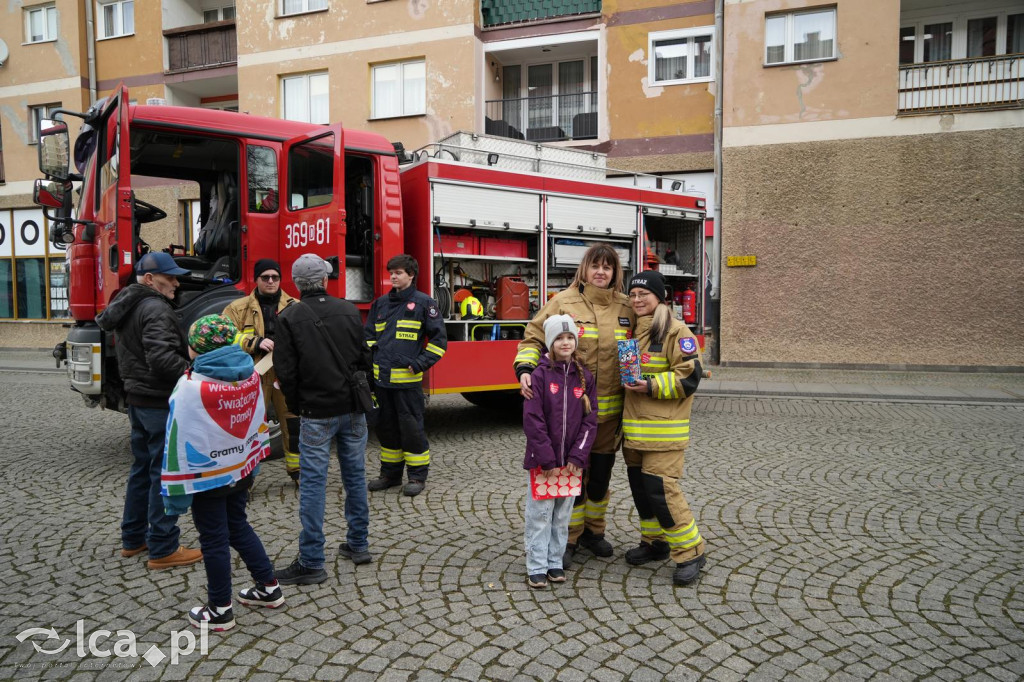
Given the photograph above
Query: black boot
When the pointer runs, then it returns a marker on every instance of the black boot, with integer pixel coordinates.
(647, 552)
(570, 550)
(688, 571)
(595, 543)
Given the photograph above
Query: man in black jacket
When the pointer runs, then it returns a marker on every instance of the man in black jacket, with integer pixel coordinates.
(152, 354)
(313, 339)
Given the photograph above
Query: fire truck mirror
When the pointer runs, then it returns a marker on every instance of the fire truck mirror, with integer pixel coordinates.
(54, 149)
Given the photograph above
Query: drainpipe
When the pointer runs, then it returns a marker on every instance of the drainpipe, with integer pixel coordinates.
(90, 42)
(716, 242)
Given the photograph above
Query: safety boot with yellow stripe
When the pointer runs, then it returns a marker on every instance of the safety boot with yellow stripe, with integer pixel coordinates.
(595, 543)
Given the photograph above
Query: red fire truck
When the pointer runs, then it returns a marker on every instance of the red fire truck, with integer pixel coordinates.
(505, 221)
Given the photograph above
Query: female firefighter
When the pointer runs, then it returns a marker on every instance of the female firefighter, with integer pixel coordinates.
(656, 427)
(595, 301)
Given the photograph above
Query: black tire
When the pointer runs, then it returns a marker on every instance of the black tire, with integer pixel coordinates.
(496, 400)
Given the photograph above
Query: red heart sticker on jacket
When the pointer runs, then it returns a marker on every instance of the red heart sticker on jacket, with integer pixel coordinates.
(578, 391)
(231, 406)
(553, 387)
(645, 358)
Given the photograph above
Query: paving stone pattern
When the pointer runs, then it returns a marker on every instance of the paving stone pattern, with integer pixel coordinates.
(846, 541)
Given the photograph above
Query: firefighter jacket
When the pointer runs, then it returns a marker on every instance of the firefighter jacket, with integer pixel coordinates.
(660, 420)
(604, 318)
(152, 352)
(557, 431)
(404, 329)
(248, 318)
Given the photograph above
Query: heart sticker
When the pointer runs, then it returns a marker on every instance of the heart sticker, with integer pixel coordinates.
(231, 406)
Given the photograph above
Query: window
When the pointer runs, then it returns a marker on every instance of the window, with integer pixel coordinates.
(261, 172)
(311, 181)
(301, 6)
(399, 89)
(116, 18)
(218, 14)
(800, 36)
(40, 24)
(33, 275)
(966, 36)
(306, 98)
(680, 56)
(37, 114)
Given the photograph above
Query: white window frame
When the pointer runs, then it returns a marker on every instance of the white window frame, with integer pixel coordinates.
(689, 34)
(790, 49)
(46, 11)
(35, 113)
(958, 48)
(421, 110)
(220, 12)
(305, 77)
(306, 9)
(116, 31)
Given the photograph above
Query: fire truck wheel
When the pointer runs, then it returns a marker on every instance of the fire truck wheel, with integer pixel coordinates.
(495, 400)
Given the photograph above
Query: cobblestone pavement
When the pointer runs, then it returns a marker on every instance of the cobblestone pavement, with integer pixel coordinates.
(846, 541)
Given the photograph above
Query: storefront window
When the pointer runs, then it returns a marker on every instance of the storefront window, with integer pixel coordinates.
(6, 290)
(59, 289)
(31, 289)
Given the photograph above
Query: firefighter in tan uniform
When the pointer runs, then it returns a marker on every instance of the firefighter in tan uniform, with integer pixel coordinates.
(601, 311)
(256, 318)
(656, 427)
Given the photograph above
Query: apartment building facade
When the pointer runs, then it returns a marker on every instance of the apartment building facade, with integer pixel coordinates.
(630, 78)
(874, 166)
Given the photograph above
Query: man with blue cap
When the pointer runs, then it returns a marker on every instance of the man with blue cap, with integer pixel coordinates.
(152, 353)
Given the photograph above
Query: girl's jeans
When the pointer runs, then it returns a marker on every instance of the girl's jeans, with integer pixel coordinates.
(547, 531)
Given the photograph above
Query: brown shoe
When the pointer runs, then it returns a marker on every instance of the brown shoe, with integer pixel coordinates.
(183, 556)
(127, 553)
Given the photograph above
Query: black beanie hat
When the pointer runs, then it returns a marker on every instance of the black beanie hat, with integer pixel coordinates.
(264, 264)
(652, 280)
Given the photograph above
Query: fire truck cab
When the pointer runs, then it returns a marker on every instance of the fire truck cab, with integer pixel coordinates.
(267, 189)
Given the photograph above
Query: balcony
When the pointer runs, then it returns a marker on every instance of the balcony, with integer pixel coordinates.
(962, 85)
(202, 46)
(553, 118)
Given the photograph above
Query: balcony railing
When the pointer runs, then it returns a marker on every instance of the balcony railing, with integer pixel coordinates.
(544, 119)
(959, 84)
(204, 46)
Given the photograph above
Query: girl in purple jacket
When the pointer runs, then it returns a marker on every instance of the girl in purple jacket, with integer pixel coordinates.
(560, 427)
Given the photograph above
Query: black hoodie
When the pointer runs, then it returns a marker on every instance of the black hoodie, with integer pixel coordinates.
(152, 351)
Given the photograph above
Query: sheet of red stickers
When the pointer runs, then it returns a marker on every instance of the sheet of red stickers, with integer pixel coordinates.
(557, 482)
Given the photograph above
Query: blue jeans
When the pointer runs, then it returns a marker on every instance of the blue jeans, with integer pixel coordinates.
(546, 532)
(144, 521)
(222, 524)
(349, 432)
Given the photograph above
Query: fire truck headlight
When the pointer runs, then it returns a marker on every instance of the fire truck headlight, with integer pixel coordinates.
(81, 353)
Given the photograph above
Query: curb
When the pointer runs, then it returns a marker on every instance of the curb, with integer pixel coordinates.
(862, 397)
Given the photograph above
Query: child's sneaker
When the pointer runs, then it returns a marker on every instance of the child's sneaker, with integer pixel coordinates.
(556, 575)
(537, 581)
(217, 618)
(262, 595)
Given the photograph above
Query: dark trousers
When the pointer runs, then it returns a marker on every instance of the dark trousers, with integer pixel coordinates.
(144, 521)
(403, 441)
(222, 524)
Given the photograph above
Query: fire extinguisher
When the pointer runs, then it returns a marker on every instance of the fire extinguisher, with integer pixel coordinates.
(689, 306)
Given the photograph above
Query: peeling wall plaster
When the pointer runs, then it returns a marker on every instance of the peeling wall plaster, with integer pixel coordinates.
(651, 90)
(16, 122)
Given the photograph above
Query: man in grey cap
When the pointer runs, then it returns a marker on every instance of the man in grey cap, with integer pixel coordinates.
(318, 347)
(152, 354)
